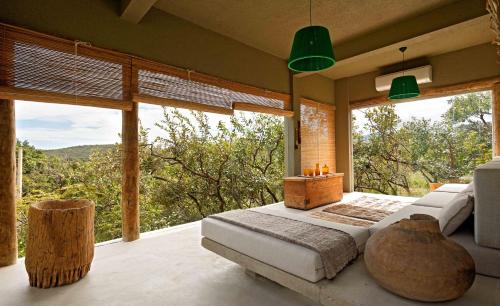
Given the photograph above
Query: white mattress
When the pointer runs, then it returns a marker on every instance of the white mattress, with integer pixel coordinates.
(289, 257)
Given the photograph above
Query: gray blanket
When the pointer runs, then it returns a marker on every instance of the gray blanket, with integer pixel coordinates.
(335, 247)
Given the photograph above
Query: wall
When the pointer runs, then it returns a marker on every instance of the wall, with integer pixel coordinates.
(314, 87)
(460, 66)
(343, 145)
(159, 36)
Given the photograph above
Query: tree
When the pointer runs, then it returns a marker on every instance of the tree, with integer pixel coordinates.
(395, 157)
(201, 171)
(379, 165)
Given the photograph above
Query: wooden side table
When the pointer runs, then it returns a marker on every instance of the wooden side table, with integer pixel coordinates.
(307, 192)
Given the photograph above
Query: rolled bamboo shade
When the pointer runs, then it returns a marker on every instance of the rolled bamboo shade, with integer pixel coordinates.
(166, 86)
(180, 85)
(40, 68)
(44, 68)
(317, 132)
(36, 67)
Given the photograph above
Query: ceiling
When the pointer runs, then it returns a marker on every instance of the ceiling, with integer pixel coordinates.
(460, 36)
(270, 26)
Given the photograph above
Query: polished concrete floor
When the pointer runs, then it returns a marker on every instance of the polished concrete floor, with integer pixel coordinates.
(167, 267)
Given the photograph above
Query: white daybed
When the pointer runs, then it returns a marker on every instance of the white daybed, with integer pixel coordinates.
(289, 257)
(301, 269)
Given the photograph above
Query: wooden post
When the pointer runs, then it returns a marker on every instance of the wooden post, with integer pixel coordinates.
(8, 236)
(19, 176)
(496, 119)
(130, 179)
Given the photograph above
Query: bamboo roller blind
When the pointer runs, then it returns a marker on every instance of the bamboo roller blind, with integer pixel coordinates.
(43, 68)
(167, 86)
(39, 67)
(317, 134)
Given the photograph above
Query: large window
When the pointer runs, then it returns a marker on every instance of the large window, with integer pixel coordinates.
(192, 163)
(402, 148)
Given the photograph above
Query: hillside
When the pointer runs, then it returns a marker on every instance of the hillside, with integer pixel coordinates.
(78, 152)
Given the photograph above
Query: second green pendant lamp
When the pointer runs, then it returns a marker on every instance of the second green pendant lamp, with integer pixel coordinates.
(312, 48)
(405, 86)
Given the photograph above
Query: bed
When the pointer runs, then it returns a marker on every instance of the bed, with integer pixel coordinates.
(289, 257)
(297, 267)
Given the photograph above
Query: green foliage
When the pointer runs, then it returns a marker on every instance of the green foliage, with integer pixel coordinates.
(396, 157)
(191, 171)
(199, 171)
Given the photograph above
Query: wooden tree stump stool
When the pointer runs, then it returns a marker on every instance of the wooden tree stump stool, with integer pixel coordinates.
(60, 245)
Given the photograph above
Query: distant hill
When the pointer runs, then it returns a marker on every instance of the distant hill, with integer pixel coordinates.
(78, 152)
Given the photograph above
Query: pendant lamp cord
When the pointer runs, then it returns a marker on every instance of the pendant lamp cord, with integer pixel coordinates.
(310, 13)
(403, 63)
(402, 50)
(75, 84)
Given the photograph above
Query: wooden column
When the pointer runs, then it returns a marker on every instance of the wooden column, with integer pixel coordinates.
(130, 173)
(496, 119)
(8, 236)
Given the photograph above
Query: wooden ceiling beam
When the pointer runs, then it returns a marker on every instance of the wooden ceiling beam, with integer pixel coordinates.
(134, 10)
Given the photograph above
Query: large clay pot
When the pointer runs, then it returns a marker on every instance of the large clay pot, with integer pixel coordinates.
(411, 258)
(60, 245)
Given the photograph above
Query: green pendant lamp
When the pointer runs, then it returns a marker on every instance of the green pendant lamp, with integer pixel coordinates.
(405, 86)
(312, 48)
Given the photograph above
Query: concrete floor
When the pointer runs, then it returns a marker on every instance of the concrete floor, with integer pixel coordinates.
(167, 267)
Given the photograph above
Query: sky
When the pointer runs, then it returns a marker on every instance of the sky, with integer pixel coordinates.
(52, 126)
(429, 109)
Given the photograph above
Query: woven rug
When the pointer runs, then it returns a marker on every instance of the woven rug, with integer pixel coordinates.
(341, 219)
(363, 211)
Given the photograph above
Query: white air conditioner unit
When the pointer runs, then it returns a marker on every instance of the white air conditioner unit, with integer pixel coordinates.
(422, 74)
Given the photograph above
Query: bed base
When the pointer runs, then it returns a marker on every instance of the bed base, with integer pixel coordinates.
(254, 267)
(353, 286)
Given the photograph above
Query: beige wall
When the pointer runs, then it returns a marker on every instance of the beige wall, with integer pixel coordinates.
(159, 36)
(451, 68)
(343, 146)
(314, 87)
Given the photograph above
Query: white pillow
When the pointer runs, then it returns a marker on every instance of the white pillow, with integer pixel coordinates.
(456, 212)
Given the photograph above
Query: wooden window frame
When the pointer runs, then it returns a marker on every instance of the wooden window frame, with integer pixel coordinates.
(492, 83)
(432, 92)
